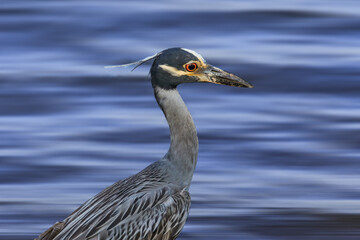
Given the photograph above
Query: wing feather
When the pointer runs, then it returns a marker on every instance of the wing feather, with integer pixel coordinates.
(163, 221)
(52, 231)
(143, 206)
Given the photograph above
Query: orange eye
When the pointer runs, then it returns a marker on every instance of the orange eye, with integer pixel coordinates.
(191, 67)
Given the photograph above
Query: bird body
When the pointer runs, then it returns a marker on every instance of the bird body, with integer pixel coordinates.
(153, 204)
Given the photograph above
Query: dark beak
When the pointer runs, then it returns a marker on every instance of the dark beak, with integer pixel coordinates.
(218, 76)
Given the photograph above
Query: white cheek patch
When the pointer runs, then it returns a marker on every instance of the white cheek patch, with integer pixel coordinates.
(172, 70)
(203, 78)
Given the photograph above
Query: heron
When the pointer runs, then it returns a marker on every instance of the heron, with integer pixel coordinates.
(154, 203)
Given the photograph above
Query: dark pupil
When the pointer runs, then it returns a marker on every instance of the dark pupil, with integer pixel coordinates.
(192, 66)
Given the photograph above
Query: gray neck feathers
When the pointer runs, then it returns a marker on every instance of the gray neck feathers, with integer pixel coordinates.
(184, 146)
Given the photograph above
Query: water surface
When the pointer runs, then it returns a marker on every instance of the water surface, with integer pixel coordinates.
(280, 161)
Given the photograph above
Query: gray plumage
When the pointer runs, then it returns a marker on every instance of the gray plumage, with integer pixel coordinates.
(153, 204)
(143, 206)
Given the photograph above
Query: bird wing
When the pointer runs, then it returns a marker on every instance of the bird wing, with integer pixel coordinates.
(133, 207)
(162, 221)
(52, 231)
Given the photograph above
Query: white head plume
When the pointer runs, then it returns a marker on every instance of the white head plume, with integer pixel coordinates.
(137, 63)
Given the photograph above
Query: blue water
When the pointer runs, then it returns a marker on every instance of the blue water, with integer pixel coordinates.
(279, 161)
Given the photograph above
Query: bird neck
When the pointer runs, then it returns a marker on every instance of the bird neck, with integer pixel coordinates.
(184, 146)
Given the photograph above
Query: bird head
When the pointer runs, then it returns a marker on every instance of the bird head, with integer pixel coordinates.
(174, 66)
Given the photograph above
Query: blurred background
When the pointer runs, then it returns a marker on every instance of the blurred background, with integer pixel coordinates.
(280, 161)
